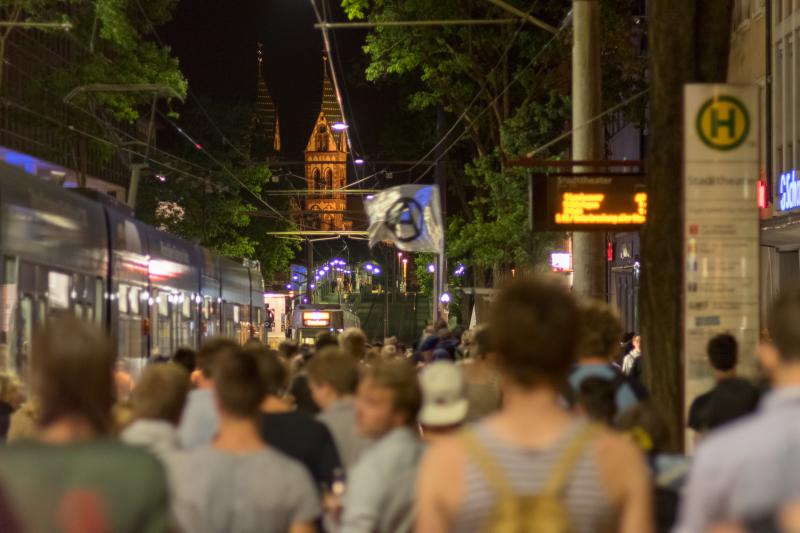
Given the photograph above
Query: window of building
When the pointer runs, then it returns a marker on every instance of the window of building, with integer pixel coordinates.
(318, 184)
(329, 179)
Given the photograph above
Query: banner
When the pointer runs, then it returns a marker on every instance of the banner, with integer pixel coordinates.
(408, 215)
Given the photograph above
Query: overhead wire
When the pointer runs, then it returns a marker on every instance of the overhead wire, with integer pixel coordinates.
(478, 93)
(497, 97)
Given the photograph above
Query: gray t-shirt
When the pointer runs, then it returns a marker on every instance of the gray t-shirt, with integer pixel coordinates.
(254, 492)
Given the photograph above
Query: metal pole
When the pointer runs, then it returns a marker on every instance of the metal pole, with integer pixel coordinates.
(133, 189)
(309, 268)
(390, 256)
(589, 262)
(403, 23)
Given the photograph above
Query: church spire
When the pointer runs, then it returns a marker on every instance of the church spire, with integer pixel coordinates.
(267, 126)
(330, 100)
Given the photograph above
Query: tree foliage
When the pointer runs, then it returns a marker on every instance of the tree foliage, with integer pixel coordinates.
(510, 85)
(114, 44)
(220, 203)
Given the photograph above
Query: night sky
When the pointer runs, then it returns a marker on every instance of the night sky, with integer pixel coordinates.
(216, 44)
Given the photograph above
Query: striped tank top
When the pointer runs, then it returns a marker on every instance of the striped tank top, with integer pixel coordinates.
(527, 470)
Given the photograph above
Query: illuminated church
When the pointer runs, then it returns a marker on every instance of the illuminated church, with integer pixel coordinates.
(325, 154)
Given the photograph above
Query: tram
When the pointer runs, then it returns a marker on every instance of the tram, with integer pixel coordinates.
(308, 320)
(61, 252)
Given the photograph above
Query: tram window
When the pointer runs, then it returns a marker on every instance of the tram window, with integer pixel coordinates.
(135, 295)
(26, 334)
(41, 311)
(122, 298)
(79, 310)
(187, 307)
(9, 270)
(58, 290)
(99, 298)
(235, 314)
(206, 307)
(163, 305)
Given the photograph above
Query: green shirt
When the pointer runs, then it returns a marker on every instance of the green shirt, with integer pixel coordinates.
(99, 487)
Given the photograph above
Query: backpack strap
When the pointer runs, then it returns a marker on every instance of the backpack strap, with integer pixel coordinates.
(568, 459)
(494, 475)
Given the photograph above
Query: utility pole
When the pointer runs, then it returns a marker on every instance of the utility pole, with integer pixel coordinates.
(588, 249)
(440, 173)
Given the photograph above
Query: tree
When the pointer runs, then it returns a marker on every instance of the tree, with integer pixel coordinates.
(689, 42)
(511, 87)
(113, 45)
(220, 204)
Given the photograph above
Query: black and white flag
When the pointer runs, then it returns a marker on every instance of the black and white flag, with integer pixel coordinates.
(408, 215)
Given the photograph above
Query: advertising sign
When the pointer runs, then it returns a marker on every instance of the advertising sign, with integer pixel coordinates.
(721, 227)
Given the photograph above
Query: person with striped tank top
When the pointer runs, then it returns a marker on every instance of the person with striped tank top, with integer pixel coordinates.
(533, 466)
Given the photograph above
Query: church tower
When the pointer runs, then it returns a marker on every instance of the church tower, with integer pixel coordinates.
(266, 139)
(326, 163)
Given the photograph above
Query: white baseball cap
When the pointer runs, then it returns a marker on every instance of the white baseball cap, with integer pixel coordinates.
(443, 399)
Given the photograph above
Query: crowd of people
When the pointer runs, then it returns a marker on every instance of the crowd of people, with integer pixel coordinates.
(537, 421)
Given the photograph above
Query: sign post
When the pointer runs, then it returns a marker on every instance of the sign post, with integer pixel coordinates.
(721, 227)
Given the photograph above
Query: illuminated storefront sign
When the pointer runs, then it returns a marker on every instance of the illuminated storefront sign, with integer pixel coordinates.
(788, 191)
(316, 319)
(561, 261)
(610, 202)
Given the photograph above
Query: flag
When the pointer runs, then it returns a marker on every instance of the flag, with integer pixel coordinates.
(409, 215)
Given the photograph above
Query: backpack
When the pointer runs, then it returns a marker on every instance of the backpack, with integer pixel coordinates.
(541, 513)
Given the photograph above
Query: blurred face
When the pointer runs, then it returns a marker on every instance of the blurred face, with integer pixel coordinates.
(375, 412)
(637, 342)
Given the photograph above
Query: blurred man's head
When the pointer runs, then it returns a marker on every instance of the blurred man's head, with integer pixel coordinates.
(332, 375)
(324, 339)
(353, 342)
(273, 372)
(723, 352)
(388, 398)
(207, 356)
(73, 363)
(530, 328)
(161, 393)
(238, 387)
(288, 349)
(598, 331)
(186, 357)
(783, 329)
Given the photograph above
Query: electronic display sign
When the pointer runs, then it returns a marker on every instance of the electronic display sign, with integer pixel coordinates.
(316, 319)
(597, 202)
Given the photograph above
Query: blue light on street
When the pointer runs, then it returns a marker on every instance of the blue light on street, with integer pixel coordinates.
(444, 298)
(431, 268)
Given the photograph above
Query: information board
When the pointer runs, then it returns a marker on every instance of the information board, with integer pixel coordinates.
(588, 202)
(721, 227)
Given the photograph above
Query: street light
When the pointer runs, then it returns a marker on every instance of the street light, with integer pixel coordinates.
(339, 126)
(358, 161)
(431, 268)
(444, 298)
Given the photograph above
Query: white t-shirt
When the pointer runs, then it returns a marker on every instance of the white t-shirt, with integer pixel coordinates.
(254, 492)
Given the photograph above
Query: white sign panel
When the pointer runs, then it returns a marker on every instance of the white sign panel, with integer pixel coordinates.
(721, 227)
